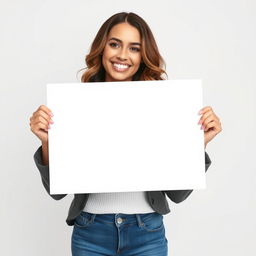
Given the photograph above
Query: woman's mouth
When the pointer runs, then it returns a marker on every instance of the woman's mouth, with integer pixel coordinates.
(120, 67)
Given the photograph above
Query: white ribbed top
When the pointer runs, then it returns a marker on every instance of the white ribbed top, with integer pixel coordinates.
(118, 202)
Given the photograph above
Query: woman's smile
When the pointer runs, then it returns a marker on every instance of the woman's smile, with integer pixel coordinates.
(119, 67)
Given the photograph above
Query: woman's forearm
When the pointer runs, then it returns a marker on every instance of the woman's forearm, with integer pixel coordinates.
(45, 154)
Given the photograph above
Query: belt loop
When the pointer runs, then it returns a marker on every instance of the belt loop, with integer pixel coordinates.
(140, 222)
(92, 217)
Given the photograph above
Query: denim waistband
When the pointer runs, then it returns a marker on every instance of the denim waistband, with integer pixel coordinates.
(126, 218)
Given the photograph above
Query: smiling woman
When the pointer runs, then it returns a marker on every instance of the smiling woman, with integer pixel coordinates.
(126, 223)
(124, 49)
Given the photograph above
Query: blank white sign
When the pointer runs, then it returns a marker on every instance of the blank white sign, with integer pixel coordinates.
(126, 136)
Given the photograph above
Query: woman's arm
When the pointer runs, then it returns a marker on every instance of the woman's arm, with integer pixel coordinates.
(211, 125)
(42, 163)
(178, 196)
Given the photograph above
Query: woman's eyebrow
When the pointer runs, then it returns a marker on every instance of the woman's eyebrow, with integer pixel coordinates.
(120, 41)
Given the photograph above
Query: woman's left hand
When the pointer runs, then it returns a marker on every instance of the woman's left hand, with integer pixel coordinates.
(210, 123)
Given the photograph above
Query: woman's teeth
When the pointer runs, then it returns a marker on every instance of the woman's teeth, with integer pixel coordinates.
(120, 67)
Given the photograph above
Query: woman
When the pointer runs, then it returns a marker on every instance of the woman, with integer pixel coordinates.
(129, 223)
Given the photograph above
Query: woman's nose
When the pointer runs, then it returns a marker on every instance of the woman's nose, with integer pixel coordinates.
(122, 55)
(121, 58)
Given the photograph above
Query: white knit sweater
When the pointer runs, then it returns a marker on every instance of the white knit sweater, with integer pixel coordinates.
(118, 202)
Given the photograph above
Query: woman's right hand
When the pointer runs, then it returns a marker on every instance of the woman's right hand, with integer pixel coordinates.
(40, 123)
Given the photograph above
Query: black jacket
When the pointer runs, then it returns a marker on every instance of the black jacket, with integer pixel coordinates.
(156, 199)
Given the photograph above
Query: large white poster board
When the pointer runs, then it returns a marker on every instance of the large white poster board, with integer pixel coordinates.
(126, 136)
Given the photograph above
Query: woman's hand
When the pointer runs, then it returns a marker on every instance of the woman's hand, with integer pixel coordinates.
(40, 123)
(210, 123)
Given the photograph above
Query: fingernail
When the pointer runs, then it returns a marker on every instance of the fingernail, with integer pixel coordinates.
(51, 113)
(202, 127)
(200, 112)
(49, 127)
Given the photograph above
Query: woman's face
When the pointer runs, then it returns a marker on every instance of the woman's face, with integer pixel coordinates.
(122, 53)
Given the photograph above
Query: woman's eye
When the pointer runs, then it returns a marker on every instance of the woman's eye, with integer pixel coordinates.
(135, 49)
(113, 45)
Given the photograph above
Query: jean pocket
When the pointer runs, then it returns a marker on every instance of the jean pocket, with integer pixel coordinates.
(84, 220)
(153, 222)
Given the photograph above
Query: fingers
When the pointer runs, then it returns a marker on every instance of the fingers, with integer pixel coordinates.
(42, 126)
(209, 125)
(205, 109)
(46, 110)
(209, 119)
(207, 115)
(41, 119)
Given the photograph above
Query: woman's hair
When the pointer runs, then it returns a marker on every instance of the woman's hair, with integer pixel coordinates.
(152, 65)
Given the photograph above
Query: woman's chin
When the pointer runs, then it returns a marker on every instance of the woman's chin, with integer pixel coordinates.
(119, 78)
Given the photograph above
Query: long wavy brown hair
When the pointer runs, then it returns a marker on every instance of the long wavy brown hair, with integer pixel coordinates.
(152, 66)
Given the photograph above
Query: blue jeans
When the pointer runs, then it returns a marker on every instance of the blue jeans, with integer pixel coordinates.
(119, 234)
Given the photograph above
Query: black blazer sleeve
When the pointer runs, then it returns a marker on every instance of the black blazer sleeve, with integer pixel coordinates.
(44, 172)
(178, 196)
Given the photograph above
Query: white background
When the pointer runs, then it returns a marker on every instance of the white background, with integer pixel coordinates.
(46, 42)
